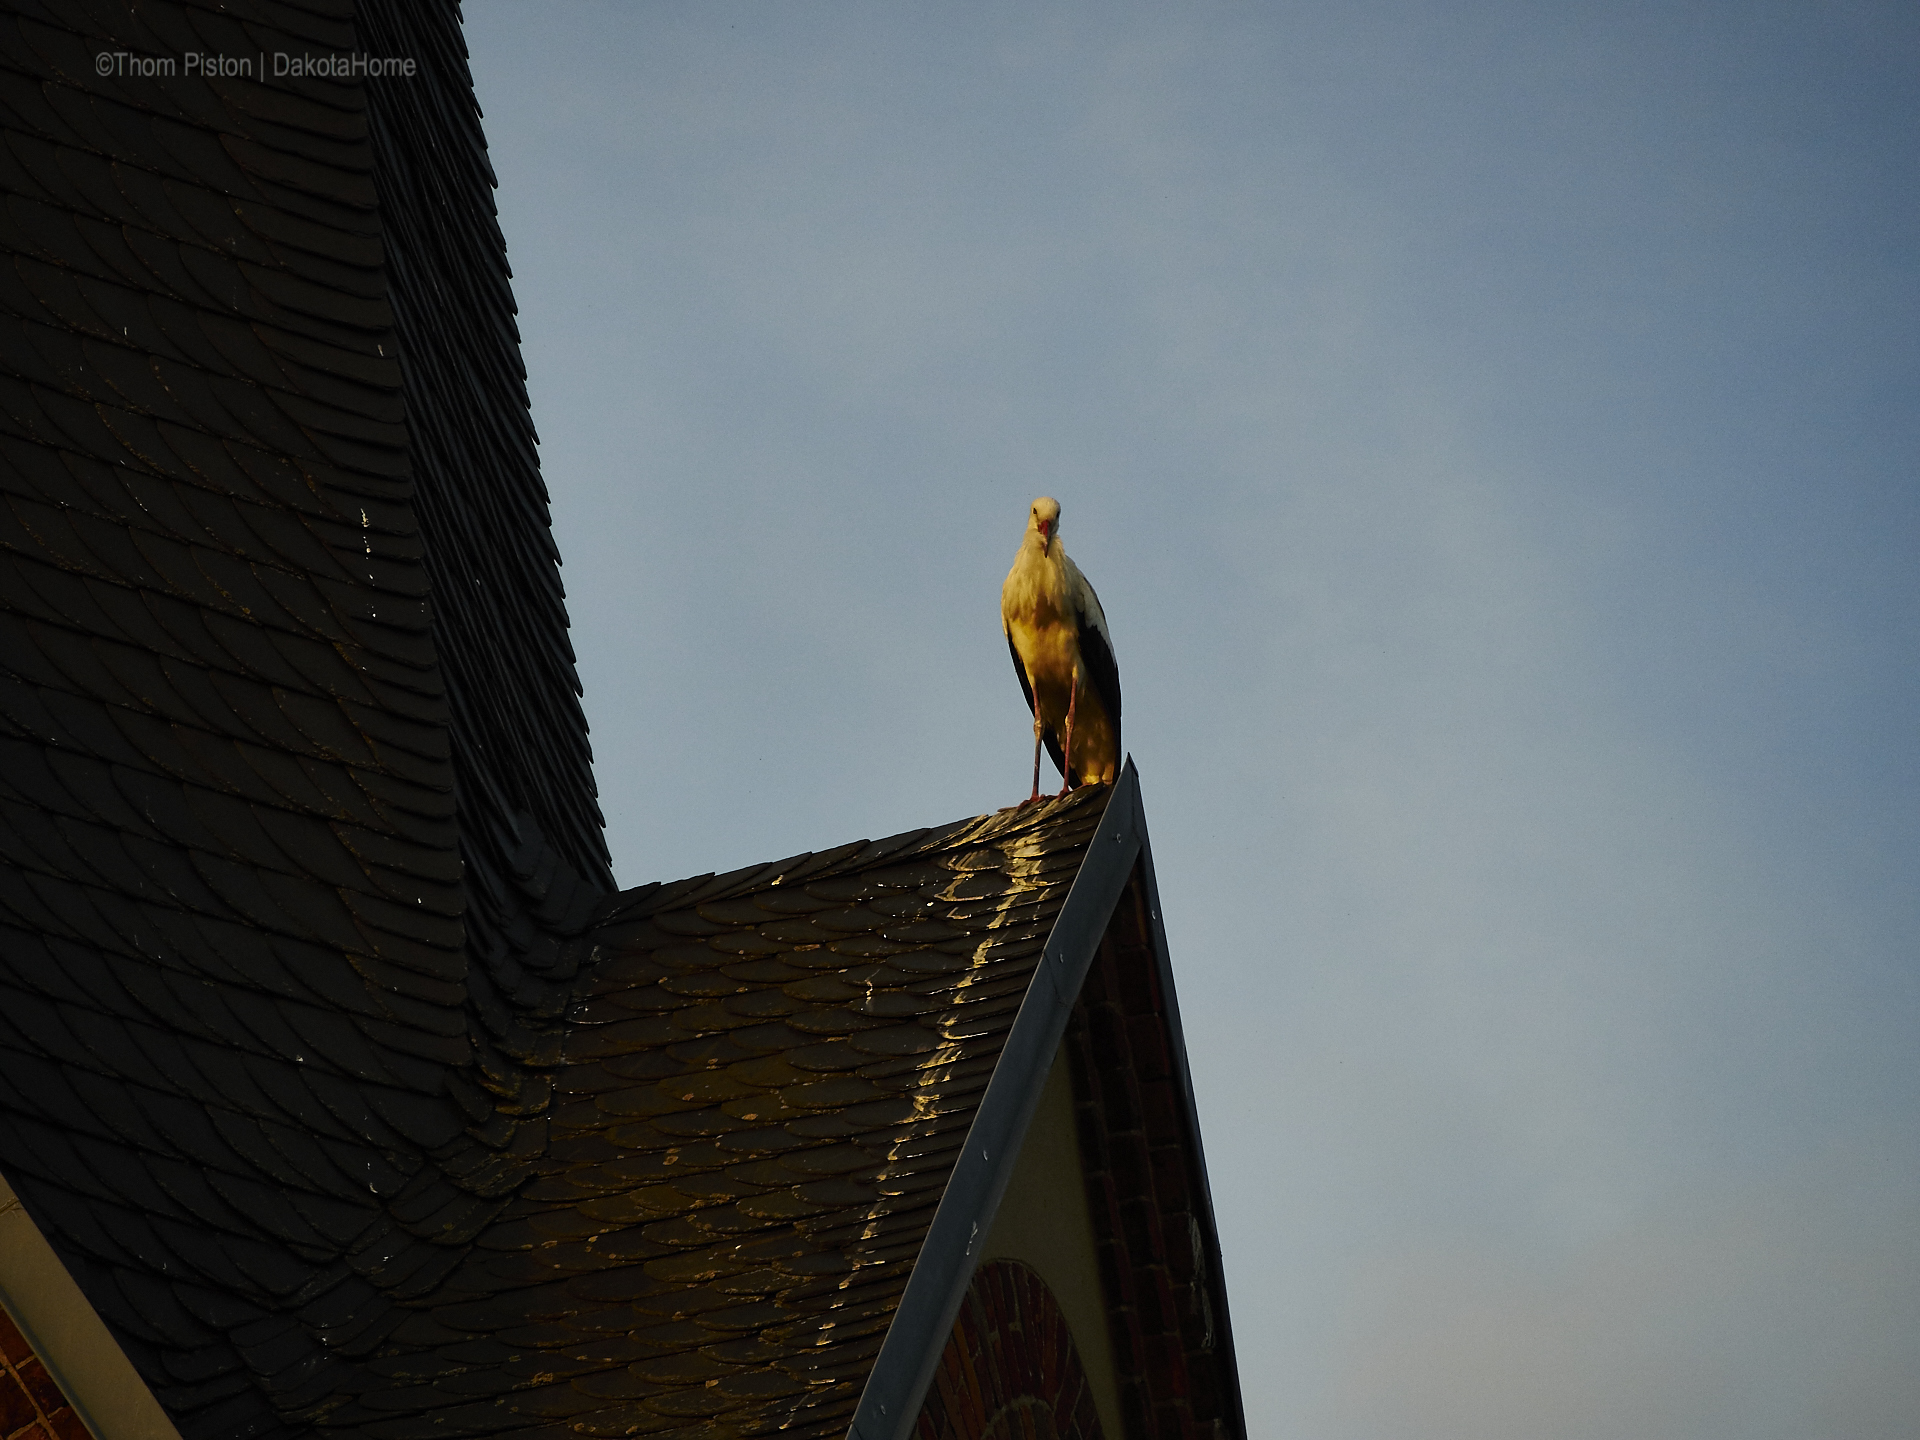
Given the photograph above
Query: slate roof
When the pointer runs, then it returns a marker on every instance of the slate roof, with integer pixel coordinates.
(286, 862)
(767, 1081)
(331, 1063)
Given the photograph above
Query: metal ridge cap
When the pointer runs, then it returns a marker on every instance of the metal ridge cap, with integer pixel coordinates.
(897, 1385)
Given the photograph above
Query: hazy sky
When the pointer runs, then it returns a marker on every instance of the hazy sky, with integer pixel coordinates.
(1493, 432)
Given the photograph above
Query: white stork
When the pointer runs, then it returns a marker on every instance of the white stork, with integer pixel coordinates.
(1063, 656)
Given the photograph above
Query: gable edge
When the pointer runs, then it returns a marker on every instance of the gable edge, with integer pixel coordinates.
(897, 1385)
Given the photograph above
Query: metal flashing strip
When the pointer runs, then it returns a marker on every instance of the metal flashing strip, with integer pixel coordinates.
(897, 1385)
(68, 1335)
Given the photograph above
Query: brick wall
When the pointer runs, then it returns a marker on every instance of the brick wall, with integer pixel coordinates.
(1010, 1371)
(31, 1405)
(1147, 1195)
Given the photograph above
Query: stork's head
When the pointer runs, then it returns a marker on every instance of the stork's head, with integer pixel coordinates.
(1045, 521)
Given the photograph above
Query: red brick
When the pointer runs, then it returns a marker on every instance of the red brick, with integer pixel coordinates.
(16, 1406)
(1009, 1366)
(13, 1345)
(40, 1385)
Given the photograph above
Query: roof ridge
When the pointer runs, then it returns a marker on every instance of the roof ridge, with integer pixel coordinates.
(641, 901)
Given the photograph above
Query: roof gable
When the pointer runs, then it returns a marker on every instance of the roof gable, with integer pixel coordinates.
(1102, 1005)
(1045, 1224)
(790, 1101)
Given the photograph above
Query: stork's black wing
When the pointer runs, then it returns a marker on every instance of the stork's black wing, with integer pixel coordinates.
(1102, 671)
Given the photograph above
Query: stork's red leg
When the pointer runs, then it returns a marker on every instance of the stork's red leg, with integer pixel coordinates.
(1066, 755)
(1036, 757)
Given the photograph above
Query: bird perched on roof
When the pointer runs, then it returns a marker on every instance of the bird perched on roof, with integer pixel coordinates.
(1063, 656)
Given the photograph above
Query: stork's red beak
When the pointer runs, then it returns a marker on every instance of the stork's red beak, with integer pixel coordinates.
(1046, 531)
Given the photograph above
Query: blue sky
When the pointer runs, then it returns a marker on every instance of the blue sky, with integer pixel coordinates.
(1493, 433)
